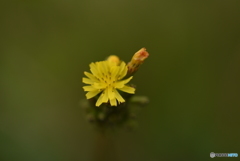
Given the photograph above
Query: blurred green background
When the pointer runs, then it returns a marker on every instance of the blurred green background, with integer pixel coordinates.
(191, 77)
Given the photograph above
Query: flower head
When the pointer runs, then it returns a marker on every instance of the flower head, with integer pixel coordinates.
(106, 78)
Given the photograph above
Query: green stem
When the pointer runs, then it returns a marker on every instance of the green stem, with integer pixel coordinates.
(104, 147)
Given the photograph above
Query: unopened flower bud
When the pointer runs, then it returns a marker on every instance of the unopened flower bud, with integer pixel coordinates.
(114, 59)
(137, 59)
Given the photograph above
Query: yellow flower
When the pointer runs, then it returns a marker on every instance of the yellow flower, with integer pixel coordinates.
(107, 78)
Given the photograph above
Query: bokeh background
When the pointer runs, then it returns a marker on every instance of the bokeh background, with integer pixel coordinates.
(191, 77)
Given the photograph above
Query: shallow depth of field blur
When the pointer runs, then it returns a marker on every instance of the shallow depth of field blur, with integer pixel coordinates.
(192, 77)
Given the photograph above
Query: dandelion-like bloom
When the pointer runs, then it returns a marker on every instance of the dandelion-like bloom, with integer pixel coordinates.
(107, 78)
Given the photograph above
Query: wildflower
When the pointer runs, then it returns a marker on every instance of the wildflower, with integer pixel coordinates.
(137, 59)
(106, 78)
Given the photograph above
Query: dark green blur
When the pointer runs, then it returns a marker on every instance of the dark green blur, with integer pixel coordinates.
(191, 77)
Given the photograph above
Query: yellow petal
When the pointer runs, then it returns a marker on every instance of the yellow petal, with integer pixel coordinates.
(92, 77)
(99, 101)
(120, 84)
(92, 93)
(89, 88)
(99, 85)
(105, 67)
(118, 96)
(105, 96)
(108, 65)
(102, 69)
(113, 102)
(123, 72)
(93, 68)
(127, 80)
(127, 89)
(114, 71)
(110, 93)
(121, 67)
(99, 69)
(87, 81)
